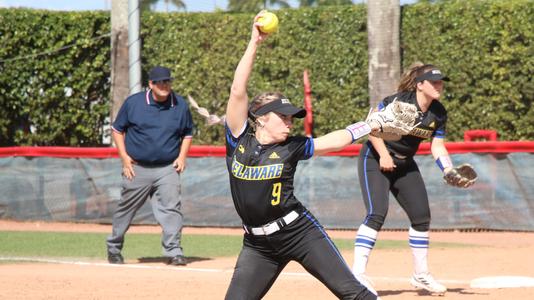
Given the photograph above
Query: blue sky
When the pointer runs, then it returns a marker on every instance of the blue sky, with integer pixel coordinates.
(192, 5)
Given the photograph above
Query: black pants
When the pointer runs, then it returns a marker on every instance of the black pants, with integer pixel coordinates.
(405, 183)
(263, 258)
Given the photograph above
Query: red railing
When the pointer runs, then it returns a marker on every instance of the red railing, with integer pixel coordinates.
(219, 151)
(480, 134)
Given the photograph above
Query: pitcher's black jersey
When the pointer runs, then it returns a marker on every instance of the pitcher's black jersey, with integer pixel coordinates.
(261, 176)
(432, 124)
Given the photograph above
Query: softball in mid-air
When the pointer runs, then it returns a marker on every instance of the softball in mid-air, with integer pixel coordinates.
(269, 22)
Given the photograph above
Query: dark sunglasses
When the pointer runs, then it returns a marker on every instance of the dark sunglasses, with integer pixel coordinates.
(166, 81)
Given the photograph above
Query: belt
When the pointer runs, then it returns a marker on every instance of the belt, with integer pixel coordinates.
(153, 165)
(399, 156)
(273, 226)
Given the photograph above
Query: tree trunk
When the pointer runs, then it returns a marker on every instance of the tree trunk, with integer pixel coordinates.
(119, 55)
(383, 19)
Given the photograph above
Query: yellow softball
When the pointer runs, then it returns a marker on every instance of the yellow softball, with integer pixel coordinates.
(269, 22)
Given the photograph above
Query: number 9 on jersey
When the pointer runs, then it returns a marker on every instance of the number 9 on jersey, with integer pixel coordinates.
(277, 189)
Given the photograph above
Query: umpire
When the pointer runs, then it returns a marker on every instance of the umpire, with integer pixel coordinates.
(152, 132)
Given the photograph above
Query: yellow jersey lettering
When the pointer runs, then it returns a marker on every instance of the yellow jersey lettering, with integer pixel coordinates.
(272, 171)
(256, 172)
(246, 172)
(279, 169)
(422, 133)
(236, 167)
(263, 173)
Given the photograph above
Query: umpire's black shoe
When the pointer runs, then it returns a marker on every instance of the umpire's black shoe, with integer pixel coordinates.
(115, 258)
(178, 260)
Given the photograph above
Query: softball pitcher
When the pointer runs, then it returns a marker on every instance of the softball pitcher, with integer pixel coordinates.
(262, 159)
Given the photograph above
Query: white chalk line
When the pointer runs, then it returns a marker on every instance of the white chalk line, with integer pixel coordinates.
(96, 264)
(211, 270)
(182, 269)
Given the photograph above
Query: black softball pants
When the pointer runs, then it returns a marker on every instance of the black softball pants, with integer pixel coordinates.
(262, 258)
(405, 183)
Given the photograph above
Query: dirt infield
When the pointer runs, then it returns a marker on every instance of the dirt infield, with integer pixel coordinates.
(492, 254)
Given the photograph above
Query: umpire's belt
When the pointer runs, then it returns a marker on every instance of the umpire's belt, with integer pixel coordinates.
(274, 226)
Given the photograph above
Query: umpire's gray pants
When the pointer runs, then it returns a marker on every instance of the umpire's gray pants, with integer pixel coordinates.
(162, 184)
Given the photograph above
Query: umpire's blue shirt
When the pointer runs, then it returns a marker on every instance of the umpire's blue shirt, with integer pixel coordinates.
(154, 130)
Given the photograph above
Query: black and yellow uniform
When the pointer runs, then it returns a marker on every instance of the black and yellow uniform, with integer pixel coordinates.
(278, 228)
(405, 181)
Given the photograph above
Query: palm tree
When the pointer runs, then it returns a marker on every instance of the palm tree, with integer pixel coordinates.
(148, 4)
(324, 2)
(254, 5)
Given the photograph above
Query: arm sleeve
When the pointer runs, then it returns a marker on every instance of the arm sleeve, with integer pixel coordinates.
(189, 126)
(121, 120)
(385, 102)
(441, 129)
(301, 147)
(440, 132)
(381, 105)
(231, 140)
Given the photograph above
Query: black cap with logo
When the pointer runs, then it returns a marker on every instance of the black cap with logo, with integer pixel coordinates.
(432, 75)
(282, 106)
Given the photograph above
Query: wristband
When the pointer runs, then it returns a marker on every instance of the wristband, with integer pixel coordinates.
(358, 130)
(444, 162)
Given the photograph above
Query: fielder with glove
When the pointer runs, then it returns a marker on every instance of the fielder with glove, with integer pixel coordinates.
(386, 165)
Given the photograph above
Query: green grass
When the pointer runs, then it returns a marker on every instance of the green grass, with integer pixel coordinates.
(92, 245)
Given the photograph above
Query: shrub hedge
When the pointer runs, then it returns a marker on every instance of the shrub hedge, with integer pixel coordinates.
(487, 48)
(62, 97)
(56, 97)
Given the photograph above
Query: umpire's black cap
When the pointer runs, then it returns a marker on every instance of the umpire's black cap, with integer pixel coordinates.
(282, 106)
(433, 75)
(159, 73)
